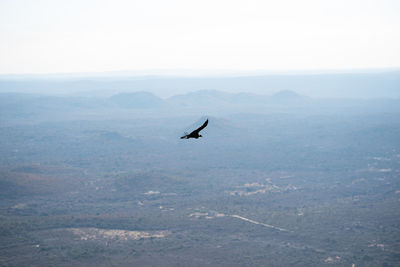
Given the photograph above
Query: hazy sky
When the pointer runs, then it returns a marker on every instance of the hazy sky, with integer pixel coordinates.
(38, 36)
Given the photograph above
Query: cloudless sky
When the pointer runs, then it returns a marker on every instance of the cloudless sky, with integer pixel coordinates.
(48, 36)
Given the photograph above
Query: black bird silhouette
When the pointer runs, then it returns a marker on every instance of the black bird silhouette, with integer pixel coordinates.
(195, 133)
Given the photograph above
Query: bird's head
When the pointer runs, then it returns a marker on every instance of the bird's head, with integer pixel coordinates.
(200, 135)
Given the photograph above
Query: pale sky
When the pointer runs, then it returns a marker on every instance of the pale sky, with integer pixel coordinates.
(54, 36)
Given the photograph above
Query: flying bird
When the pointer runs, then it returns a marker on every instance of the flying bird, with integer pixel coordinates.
(195, 133)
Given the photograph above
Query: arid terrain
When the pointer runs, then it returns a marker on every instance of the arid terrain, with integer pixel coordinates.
(282, 180)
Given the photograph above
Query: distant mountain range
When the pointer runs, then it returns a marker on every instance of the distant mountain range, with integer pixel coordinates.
(213, 102)
(205, 98)
(370, 84)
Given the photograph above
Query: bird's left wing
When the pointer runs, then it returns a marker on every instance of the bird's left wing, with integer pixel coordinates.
(202, 126)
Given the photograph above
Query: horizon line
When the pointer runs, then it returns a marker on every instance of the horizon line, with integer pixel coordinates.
(198, 72)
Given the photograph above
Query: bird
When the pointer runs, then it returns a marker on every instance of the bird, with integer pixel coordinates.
(195, 133)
